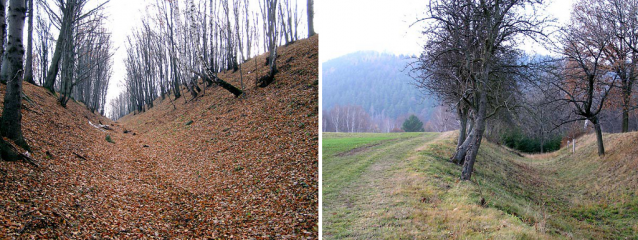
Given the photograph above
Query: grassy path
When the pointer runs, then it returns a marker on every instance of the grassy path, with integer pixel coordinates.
(359, 186)
(402, 186)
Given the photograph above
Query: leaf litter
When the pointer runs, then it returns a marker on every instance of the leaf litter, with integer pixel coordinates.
(244, 168)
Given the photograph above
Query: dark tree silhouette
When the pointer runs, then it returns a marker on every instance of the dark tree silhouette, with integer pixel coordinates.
(412, 124)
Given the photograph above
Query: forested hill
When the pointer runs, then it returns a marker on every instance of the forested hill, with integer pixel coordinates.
(214, 166)
(376, 81)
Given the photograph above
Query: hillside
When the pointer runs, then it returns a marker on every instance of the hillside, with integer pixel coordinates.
(416, 192)
(214, 166)
(376, 81)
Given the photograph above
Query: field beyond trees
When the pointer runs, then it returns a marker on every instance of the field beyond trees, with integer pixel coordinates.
(403, 186)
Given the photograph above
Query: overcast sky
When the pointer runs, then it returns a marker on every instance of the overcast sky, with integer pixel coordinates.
(125, 15)
(344, 26)
(356, 25)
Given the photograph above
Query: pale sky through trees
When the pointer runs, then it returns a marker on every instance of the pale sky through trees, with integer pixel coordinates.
(124, 16)
(383, 26)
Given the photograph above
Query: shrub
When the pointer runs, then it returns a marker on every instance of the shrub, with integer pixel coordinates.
(517, 140)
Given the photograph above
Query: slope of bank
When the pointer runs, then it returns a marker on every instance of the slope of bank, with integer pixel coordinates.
(242, 168)
(260, 150)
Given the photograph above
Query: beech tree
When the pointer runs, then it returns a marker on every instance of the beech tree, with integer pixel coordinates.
(12, 73)
(269, 11)
(3, 28)
(42, 47)
(28, 72)
(66, 16)
(311, 15)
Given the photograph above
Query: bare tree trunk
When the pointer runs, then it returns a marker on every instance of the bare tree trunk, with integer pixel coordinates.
(471, 127)
(470, 158)
(28, 72)
(461, 151)
(209, 77)
(311, 14)
(12, 70)
(57, 54)
(463, 126)
(542, 142)
(542, 133)
(476, 138)
(626, 92)
(464, 140)
(625, 119)
(3, 28)
(272, 40)
(599, 136)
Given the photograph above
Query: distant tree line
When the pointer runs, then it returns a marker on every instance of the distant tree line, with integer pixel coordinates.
(185, 43)
(353, 118)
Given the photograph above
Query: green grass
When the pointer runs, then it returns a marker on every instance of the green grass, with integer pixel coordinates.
(333, 143)
(402, 186)
(350, 181)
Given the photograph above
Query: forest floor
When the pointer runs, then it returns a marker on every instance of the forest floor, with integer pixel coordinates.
(402, 186)
(214, 166)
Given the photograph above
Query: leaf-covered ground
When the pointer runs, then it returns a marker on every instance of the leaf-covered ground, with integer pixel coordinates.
(243, 168)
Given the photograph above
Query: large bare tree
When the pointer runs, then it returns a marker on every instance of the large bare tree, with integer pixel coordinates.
(484, 33)
(66, 14)
(585, 78)
(619, 19)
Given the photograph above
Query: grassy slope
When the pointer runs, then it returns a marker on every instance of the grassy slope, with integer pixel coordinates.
(556, 195)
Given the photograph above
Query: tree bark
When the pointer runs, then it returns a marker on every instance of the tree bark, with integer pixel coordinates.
(625, 120)
(599, 136)
(471, 127)
(28, 72)
(626, 103)
(461, 151)
(11, 72)
(54, 68)
(463, 126)
(311, 15)
(3, 28)
(272, 38)
(470, 158)
(476, 138)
